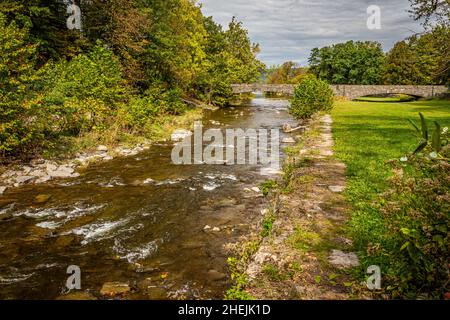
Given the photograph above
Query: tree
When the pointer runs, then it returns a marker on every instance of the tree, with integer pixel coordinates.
(122, 24)
(431, 11)
(349, 63)
(175, 54)
(310, 96)
(46, 22)
(433, 49)
(401, 65)
(288, 73)
(230, 58)
(17, 60)
(421, 59)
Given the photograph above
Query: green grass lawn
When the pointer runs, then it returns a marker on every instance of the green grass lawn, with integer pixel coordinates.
(367, 135)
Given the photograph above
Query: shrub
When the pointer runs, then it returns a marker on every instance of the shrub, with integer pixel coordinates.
(84, 93)
(417, 214)
(156, 101)
(310, 96)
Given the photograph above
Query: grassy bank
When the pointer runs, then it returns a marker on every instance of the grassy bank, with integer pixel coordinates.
(158, 129)
(367, 135)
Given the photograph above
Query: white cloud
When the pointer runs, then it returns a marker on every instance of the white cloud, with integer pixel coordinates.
(289, 29)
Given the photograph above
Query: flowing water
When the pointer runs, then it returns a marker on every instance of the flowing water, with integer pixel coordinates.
(138, 220)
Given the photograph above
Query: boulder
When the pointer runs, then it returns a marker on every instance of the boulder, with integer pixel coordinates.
(342, 260)
(102, 148)
(336, 189)
(2, 190)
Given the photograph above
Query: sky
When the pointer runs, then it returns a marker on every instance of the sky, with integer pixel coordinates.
(287, 30)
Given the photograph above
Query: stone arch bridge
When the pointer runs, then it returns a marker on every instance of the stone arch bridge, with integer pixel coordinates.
(349, 91)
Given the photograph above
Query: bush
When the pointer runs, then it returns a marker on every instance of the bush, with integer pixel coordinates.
(84, 93)
(310, 96)
(145, 109)
(416, 210)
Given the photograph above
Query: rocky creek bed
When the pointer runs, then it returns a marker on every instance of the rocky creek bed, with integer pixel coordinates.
(138, 226)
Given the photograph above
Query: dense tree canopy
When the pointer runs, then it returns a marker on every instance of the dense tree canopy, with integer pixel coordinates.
(420, 59)
(349, 63)
(151, 55)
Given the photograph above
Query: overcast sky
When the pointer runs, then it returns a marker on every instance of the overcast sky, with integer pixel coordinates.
(289, 29)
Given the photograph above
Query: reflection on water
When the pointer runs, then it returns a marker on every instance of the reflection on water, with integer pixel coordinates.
(135, 219)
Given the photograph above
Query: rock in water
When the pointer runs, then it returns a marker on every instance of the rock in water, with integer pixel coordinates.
(2, 190)
(288, 140)
(214, 275)
(42, 198)
(114, 289)
(180, 135)
(256, 189)
(102, 148)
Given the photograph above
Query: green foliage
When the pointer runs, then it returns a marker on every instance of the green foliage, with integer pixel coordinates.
(420, 59)
(417, 213)
(288, 73)
(237, 267)
(273, 273)
(310, 96)
(267, 224)
(17, 59)
(438, 137)
(401, 66)
(349, 63)
(157, 101)
(84, 93)
(267, 186)
(230, 58)
(46, 21)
